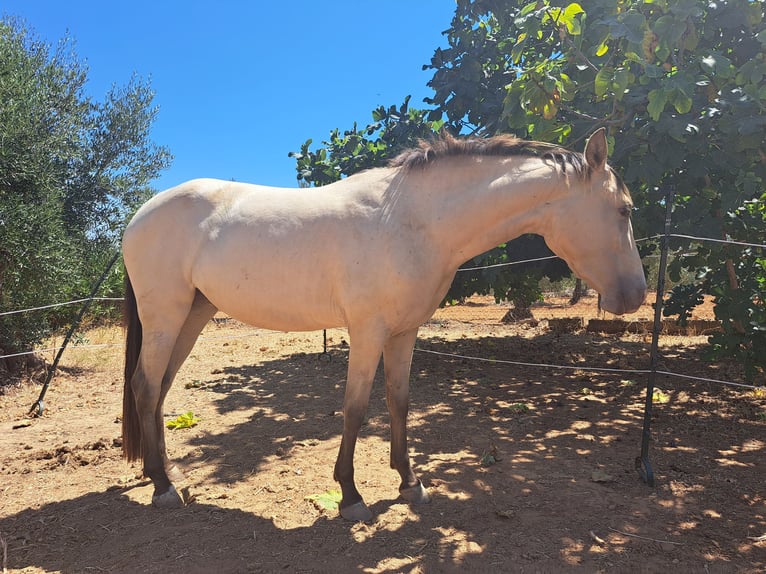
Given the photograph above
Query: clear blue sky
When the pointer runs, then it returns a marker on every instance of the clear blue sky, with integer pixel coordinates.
(241, 83)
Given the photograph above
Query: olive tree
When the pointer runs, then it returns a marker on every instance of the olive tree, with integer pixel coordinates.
(71, 171)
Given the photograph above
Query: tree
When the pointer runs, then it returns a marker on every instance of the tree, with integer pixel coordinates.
(71, 171)
(393, 130)
(680, 86)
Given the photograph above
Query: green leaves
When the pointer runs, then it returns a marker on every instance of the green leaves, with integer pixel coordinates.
(668, 30)
(751, 72)
(612, 82)
(71, 172)
(328, 500)
(394, 129)
(661, 97)
(660, 396)
(184, 421)
(716, 64)
(566, 17)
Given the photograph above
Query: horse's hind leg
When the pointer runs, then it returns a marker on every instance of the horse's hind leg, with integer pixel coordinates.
(201, 312)
(397, 358)
(162, 324)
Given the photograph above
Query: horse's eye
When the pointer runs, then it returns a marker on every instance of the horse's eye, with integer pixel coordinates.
(625, 211)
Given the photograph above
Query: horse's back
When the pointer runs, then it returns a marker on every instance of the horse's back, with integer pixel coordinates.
(190, 201)
(272, 257)
(195, 211)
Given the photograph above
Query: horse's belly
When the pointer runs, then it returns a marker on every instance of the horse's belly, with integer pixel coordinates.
(325, 276)
(269, 292)
(281, 309)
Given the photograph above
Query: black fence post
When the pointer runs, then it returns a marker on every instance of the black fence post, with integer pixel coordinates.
(38, 405)
(643, 465)
(325, 354)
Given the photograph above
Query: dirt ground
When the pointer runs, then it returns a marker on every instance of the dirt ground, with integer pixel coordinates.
(531, 469)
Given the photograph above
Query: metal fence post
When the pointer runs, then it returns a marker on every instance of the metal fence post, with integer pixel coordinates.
(643, 465)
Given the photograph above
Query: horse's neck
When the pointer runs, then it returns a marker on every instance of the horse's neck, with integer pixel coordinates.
(473, 206)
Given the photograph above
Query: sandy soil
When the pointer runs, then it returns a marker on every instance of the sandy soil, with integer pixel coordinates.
(531, 469)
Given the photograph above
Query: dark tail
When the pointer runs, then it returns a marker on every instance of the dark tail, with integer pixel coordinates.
(131, 427)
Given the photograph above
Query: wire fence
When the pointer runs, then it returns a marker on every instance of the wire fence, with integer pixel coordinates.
(54, 305)
(586, 368)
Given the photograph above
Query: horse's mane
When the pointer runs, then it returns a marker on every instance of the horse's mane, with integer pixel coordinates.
(504, 145)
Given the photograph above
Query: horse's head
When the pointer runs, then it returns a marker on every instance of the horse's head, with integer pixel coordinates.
(591, 231)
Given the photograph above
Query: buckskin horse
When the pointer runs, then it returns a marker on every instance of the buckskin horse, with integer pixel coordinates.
(375, 253)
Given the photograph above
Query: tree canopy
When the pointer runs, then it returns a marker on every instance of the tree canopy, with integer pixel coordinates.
(71, 170)
(679, 84)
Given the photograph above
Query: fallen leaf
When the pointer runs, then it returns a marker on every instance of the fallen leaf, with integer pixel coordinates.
(184, 421)
(327, 500)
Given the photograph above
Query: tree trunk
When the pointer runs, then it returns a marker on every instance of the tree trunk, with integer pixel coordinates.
(520, 312)
(579, 290)
(734, 285)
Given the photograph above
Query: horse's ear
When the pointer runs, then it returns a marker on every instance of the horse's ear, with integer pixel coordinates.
(596, 150)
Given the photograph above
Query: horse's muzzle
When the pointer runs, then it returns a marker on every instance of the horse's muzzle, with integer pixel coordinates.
(628, 299)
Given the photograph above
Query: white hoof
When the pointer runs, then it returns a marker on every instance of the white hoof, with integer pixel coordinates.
(169, 499)
(356, 512)
(416, 494)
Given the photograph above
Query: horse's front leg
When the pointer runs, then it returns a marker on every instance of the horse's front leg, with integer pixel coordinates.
(364, 357)
(397, 358)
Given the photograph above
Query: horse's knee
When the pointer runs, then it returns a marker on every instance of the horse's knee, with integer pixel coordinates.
(353, 416)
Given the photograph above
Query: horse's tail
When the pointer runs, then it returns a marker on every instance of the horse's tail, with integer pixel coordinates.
(131, 427)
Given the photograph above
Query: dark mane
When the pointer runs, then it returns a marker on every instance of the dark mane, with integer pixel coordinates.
(502, 145)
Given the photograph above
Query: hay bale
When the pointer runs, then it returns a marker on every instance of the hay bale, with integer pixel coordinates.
(565, 324)
(667, 327)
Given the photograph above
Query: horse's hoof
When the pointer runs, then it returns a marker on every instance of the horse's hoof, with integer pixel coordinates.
(169, 499)
(415, 494)
(357, 512)
(175, 474)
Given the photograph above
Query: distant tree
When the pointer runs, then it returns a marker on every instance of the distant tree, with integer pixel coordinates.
(71, 171)
(393, 130)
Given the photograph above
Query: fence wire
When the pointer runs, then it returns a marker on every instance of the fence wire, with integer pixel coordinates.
(586, 368)
(53, 305)
(418, 349)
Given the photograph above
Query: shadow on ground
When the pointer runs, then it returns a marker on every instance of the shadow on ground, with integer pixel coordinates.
(531, 469)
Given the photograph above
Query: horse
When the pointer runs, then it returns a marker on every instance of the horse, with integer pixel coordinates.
(374, 253)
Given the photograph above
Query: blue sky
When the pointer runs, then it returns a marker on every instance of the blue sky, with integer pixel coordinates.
(240, 84)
